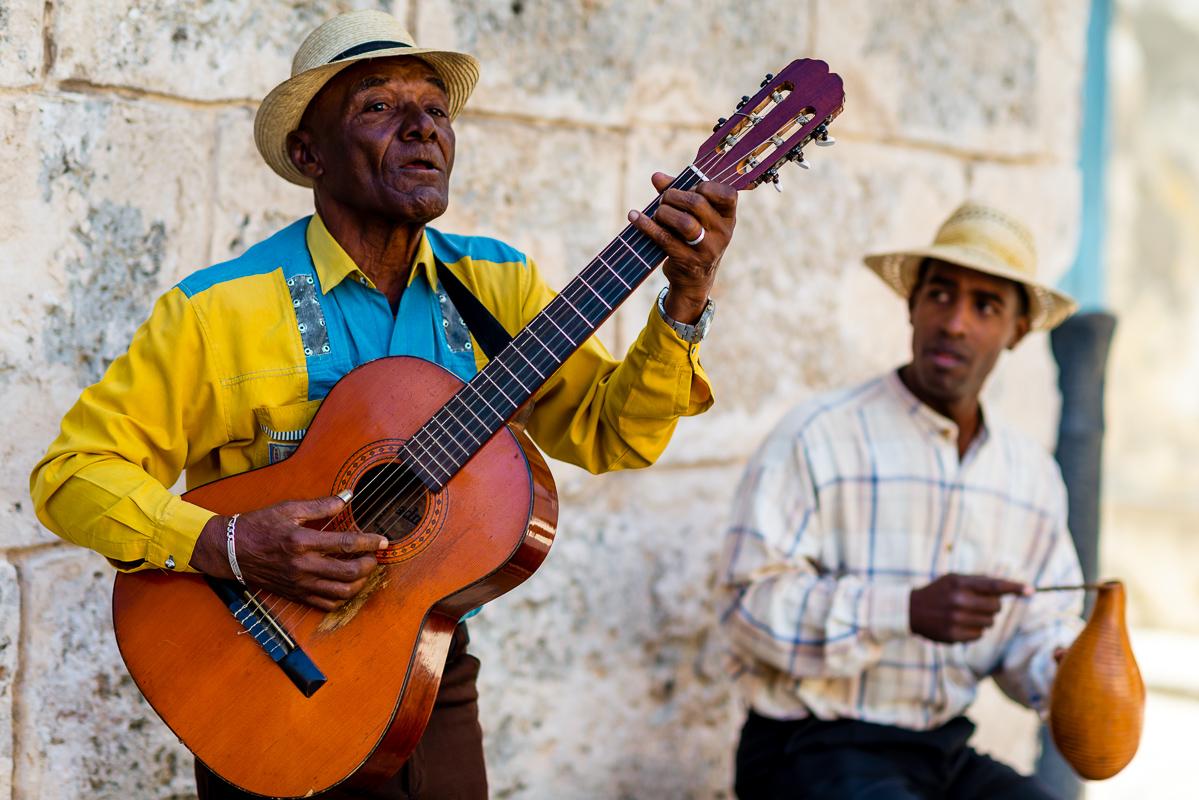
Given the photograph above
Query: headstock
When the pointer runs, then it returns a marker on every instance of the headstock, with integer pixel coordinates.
(772, 127)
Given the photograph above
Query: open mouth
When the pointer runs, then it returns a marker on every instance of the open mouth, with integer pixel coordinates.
(944, 358)
(420, 164)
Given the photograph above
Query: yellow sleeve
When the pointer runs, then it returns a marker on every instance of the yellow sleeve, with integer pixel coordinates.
(603, 414)
(103, 482)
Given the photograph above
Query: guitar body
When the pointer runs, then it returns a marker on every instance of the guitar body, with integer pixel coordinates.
(217, 687)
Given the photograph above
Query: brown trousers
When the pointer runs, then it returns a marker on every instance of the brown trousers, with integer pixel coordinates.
(447, 763)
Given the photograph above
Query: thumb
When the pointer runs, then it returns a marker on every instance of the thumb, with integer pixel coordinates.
(317, 508)
(661, 180)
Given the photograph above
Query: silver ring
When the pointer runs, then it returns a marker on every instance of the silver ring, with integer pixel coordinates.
(699, 238)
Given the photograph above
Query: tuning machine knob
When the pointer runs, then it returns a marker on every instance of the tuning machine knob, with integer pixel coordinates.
(771, 176)
(719, 122)
(744, 100)
(821, 136)
(768, 79)
(796, 155)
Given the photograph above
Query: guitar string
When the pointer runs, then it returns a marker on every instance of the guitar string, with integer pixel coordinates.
(371, 493)
(377, 491)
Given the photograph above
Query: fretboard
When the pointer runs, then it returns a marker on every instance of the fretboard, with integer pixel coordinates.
(480, 408)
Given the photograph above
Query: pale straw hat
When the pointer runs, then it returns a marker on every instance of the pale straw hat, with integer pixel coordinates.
(335, 45)
(985, 240)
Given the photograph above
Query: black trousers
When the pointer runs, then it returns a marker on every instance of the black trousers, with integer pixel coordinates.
(447, 763)
(850, 760)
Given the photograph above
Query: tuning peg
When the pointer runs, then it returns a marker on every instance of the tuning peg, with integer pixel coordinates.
(821, 136)
(744, 100)
(719, 122)
(769, 78)
(771, 176)
(796, 155)
(827, 141)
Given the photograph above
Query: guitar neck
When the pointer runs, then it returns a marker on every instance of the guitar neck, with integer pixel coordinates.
(464, 424)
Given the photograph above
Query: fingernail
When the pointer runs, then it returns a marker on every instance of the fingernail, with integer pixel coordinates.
(1027, 590)
(384, 544)
(345, 495)
(633, 215)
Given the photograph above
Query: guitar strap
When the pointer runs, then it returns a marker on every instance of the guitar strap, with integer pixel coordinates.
(487, 330)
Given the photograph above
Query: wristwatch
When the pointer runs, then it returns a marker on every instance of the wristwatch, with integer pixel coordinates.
(692, 334)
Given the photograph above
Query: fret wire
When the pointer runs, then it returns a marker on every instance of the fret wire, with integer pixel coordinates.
(530, 363)
(594, 292)
(428, 454)
(501, 390)
(446, 408)
(516, 377)
(437, 442)
(596, 278)
(565, 335)
(466, 405)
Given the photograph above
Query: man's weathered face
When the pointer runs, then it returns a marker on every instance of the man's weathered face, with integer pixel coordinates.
(961, 321)
(377, 138)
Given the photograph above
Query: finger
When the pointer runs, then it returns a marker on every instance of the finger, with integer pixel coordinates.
(722, 198)
(317, 508)
(684, 225)
(973, 619)
(972, 601)
(665, 239)
(661, 180)
(336, 591)
(341, 570)
(347, 542)
(965, 633)
(995, 586)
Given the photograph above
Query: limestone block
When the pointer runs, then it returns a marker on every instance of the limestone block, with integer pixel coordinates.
(97, 220)
(603, 675)
(208, 51)
(252, 202)
(551, 192)
(619, 63)
(21, 42)
(797, 312)
(83, 729)
(981, 77)
(10, 633)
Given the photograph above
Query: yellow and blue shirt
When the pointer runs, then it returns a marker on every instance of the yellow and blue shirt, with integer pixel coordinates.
(234, 361)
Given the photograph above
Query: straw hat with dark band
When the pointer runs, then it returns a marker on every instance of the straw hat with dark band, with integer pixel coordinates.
(985, 240)
(335, 45)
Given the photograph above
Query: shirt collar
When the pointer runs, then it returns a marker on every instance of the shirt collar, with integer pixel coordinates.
(932, 422)
(334, 265)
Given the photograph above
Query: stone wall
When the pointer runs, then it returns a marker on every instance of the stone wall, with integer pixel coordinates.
(127, 131)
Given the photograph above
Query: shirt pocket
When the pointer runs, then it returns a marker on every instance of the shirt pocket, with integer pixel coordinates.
(280, 429)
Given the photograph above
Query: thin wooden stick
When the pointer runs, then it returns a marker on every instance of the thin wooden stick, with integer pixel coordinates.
(1067, 588)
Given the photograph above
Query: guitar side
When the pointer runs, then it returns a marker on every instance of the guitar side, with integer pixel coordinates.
(220, 691)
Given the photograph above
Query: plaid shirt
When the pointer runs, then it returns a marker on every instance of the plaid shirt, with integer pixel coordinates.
(855, 499)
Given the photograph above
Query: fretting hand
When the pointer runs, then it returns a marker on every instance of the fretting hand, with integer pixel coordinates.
(275, 552)
(709, 210)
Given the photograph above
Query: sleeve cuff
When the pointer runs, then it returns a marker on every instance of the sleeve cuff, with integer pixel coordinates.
(663, 346)
(175, 539)
(887, 613)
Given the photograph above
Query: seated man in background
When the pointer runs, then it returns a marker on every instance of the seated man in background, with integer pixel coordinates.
(885, 542)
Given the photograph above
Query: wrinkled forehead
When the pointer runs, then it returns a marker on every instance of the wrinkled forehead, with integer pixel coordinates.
(373, 72)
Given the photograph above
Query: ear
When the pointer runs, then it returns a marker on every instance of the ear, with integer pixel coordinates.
(302, 151)
(1022, 328)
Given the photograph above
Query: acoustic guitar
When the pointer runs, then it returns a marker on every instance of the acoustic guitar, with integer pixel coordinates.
(282, 700)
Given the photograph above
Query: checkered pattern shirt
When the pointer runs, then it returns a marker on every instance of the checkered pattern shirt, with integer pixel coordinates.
(857, 498)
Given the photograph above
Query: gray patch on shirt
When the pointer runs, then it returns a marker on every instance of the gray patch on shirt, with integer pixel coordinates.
(309, 317)
(457, 335)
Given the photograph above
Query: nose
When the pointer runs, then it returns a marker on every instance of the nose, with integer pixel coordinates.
(956, 317)
(417, 124)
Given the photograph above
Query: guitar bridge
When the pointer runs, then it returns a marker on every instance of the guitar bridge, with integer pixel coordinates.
(270, 635)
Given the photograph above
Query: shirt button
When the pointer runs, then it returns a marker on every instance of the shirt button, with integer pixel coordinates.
(170, 562)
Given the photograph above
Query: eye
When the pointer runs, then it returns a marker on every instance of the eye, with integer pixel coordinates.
(437, 111)
(375, 106)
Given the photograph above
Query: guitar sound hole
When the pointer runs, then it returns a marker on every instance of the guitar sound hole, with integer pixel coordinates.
(389, 500)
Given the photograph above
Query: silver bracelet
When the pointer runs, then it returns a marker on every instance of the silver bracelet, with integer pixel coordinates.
(230, 532)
